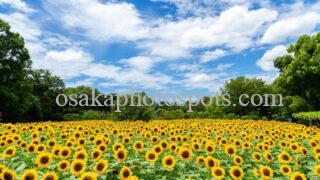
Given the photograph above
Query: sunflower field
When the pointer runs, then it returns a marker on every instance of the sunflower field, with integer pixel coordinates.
(159, 149)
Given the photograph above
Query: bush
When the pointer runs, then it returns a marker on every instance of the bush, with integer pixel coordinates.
(91, 114)
(308, 118)
(71, 116)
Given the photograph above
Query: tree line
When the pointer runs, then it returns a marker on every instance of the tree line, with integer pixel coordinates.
(28, 94)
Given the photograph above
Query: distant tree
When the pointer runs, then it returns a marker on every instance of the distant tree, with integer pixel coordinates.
(242, 85)
(15, 82)
(46, 88)
(300, 70)
(135, 112)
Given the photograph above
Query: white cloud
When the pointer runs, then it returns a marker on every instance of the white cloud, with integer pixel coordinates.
(224, 66)
(99, 21)
(22, 24)
(213, 55)
(291, 27)
(202, 80)
(127, 76)
(68, 63)
(266, 61)
(17, 4)
(143, 63)
(235, 28)
(209, 7)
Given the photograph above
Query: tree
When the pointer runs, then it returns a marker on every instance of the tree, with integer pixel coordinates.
(15, 82)
(241, 85)
(46, 88)
(300, 70)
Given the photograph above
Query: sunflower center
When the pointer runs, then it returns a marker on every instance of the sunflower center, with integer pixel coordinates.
(63, 165)
(185, 154)
(44, 160)
(237, 173)
(78, 167)
(100, 167)
(95, 154)
(298, 178)
(8, 176)
(211, 163)
(126, 173)
(9, 152)
(218, 172)
(151, 156)
(169, 161)
(120, 155)
(285, 157)
(50, 177)
(29, 177)
(230, 151)
(266, 172)
(138, 145)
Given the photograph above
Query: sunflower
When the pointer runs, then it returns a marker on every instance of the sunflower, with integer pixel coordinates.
(185, 154)
(125, 172)
(163, 144)
(236, 172)
(218, 173)
(9, 152)
(173, 147)
(82, 155)
(138, 146)
(31, 148)
(200, 161)
(285, 170)
(101, 166)
(77, 166)
(168, 162)
(50, 176)
(8, 174)
(117, 146)
(294, 147)
(65, 153)
(196, 146)
(266, 172)
(30, 174)
(151, 156)
(211, 162)
(316, 170)
(256, 157)
(43, 160)
(230, 150)
(297, 176)
(96, 154)
(41, 148)
(51, 143)
(268, 157)
(121, 155)
(284, 157)
(158, 149)
(63, 165)
(209, 148)
(237, 160)
(88, 176)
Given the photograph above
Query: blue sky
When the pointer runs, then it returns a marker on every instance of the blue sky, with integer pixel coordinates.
(166, 46)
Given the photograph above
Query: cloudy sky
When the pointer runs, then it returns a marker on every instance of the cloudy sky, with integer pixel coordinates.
(179, 46)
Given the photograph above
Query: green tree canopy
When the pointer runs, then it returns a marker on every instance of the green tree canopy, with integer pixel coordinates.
(300, 70)
(46, 88)
(15, 82)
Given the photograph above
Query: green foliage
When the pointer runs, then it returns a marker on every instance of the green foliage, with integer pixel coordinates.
(15, 84)
(300, 71)
(46, 88)
(308, 118)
